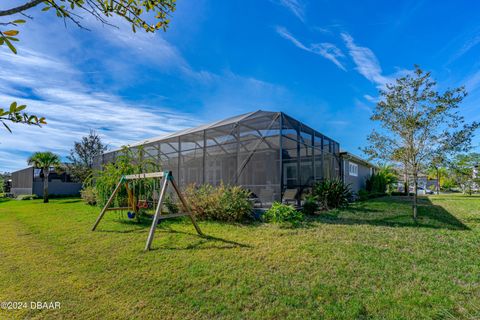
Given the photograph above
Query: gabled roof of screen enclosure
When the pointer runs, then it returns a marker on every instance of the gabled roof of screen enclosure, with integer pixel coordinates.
(232, 120)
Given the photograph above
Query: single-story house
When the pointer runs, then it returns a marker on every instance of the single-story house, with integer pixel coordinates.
(355, 170)
(29, 181)
(266, 152)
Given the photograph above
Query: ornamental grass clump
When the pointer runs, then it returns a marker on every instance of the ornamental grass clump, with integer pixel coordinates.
(332, 194)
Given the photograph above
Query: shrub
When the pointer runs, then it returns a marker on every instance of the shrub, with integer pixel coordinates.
(203, 200)
(376, 183)
(89, 195)
(27, 197)
(310, 205)
(235, 204)
(365, 195)
(171, 205)
(362, 194)
(332, 193)
(280, 212)
(225, 203)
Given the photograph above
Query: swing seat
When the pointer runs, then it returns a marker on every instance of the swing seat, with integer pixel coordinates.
(131, 215)
(143, 204)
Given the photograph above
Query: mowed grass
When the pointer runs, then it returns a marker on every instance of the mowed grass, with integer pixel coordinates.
(370, 261)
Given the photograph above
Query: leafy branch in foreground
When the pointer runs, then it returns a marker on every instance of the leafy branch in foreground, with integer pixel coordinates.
(14, 114)
(149, 15)
(6, 37)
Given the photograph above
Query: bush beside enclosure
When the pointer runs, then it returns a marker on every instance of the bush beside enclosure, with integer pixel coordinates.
(224, 203)
(280, 212)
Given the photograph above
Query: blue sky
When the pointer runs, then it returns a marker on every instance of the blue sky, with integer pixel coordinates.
(321, 62)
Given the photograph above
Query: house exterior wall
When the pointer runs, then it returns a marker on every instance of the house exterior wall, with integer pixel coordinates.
(58, 188)
(359, 181)
(28, 181)
(22, 182)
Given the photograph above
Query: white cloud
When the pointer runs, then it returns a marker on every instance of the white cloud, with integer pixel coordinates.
(296, 7)
(339, 122)
(363, 106)
(153, 48)
(72, 109)
(467, 46)
(369, 98)
(473, 82)
(366, 61)
(368, 65)
(327, 50)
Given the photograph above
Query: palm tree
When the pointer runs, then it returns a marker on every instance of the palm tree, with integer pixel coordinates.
(44, 161)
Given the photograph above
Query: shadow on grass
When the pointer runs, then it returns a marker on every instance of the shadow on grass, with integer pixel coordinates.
(394, 212)
(141, 225)
(70, 201)
(203, 241)
(207, 238)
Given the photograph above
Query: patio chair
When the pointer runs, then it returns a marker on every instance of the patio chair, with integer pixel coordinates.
(290, 195)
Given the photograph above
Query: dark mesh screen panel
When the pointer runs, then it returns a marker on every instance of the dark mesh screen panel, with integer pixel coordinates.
(170, 163)
(258, 167)
(191, 167)
(291, 179)
(221, 163)
(318, 164)
(307, 177)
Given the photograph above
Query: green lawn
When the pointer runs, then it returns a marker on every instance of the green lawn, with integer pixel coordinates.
(370, 261)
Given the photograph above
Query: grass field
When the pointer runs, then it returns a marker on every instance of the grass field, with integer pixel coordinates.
(368, 262)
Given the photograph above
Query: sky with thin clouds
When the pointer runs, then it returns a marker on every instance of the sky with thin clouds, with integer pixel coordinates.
(321, 62)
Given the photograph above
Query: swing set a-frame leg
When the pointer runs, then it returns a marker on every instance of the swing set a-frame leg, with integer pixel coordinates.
(157, 215)
(169, 178)
(102, 213)
(187, 208)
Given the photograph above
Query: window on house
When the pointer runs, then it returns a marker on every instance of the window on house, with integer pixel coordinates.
(353, 169)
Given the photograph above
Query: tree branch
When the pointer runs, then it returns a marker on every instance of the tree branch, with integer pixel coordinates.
(21, 8)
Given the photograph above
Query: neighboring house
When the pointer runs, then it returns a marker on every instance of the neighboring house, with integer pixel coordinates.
(355, 171)
(265, 152)
(29, 181)
(476, 177)
(425, 185)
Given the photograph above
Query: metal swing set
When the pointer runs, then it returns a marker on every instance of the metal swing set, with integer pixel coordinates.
(144, 204)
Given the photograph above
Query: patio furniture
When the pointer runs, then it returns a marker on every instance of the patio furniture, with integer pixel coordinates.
(290, 195)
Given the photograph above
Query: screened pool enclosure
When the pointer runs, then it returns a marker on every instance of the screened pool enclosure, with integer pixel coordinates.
(266, 152)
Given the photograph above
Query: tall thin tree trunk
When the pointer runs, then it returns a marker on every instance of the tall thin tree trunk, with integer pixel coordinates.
(415, 186)
(438, 181)
(45, 186)
(406, 188)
